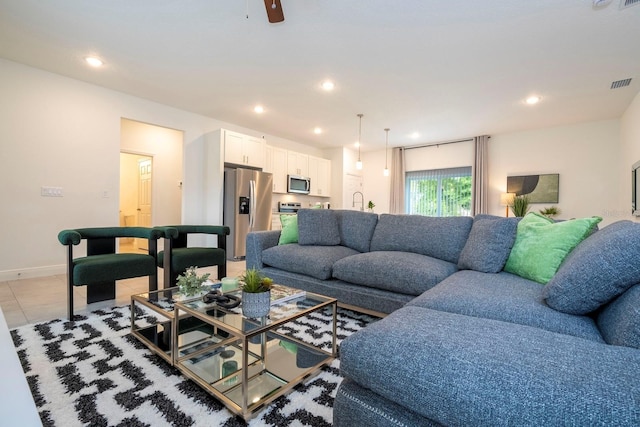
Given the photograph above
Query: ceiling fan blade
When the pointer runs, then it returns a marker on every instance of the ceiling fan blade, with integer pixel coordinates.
(274, 11)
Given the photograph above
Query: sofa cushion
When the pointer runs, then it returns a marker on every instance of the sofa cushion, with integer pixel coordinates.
(489, 244)
(314, 261)
(542, 244)
(463, 371)
(438, 237)
(356, 229)
(619, 321)
(289, 232)
(599, 269)
(505, 297)
(318, 227)
(109, 267)
(402, 272)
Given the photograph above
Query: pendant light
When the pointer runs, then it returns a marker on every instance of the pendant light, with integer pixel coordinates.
(385, 172)
(359, 162)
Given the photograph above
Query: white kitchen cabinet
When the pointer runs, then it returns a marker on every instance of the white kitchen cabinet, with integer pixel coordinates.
(276, 164)
(297, 163)
(243, 149)
(320, 175)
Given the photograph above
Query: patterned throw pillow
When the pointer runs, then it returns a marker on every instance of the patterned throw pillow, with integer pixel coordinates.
(542, 244)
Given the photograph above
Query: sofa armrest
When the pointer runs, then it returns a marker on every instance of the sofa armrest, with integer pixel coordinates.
(463, 370)
(258, 241)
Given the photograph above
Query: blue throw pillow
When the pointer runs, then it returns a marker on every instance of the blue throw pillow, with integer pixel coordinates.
(318, 227)
(602, 267)
(619, 321)
(356, 228)
(489, 244)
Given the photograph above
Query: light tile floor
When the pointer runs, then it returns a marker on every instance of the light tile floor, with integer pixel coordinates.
(27, 301)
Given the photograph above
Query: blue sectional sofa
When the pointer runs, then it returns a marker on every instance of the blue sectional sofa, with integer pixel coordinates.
(492, 321)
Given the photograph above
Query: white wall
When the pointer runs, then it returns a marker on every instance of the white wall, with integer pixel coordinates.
(586, 156)
(61, 132)
(630, 153)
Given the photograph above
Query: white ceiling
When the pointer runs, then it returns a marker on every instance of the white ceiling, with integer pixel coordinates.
(446, 69)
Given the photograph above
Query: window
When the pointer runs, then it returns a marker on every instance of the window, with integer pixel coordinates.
(439, 192)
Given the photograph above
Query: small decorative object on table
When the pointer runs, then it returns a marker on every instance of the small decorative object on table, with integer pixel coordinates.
(256, 293)
(191, 285)
(550, 212)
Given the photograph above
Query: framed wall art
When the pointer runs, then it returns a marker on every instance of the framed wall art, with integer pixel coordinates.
(539, 188)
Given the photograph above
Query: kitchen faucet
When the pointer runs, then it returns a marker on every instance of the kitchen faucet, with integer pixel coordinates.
(361, 200)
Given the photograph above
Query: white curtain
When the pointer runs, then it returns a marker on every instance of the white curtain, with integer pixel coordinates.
(396, 197)
(480, 175)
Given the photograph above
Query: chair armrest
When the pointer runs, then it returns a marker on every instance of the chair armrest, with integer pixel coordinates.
(114, 232)
(69, 237)
(167, 232)
(258, 241)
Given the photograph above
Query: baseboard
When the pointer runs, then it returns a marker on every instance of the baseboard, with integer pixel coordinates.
(28, 273)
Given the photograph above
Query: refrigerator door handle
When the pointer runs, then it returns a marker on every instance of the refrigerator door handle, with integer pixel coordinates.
(252, 203)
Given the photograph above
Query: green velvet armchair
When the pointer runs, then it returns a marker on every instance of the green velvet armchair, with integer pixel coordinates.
(177, 256)
(102, 266)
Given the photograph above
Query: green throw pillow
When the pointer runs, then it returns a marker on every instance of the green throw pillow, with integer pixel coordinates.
(289, 232)
(542, 244)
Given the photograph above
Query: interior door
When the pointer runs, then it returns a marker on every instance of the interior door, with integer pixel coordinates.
(144, 199)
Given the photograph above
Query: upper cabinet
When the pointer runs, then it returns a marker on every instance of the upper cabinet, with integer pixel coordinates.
(281, 162)
(243, 149)
(320, 175)
(276, 163)
(297, 163)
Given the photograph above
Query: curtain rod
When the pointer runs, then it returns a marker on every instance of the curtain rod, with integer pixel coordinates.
(437, 143)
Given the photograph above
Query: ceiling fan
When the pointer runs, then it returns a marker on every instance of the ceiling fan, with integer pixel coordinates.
(274, 11)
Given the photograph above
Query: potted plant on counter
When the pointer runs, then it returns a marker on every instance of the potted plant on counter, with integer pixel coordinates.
(256, 293)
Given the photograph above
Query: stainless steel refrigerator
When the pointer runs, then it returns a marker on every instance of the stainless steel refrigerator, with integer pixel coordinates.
(247, 206)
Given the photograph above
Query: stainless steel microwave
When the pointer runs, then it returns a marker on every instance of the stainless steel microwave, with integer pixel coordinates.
(298, 184)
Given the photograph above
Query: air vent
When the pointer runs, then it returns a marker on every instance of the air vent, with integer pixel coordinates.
(628, 3)
(620, 83)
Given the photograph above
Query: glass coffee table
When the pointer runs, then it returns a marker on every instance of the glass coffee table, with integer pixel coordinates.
(246, 363)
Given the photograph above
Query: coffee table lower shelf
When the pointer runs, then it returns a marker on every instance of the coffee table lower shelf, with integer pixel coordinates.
(217, 368)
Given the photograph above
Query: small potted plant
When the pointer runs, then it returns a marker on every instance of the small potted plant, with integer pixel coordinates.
(370, 206)
(190, 284)
(550, 212)
(256, 293)
(520, 205)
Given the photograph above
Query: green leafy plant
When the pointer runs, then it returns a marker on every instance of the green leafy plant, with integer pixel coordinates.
(520, 205)
(550, 212)
(190, 283)
(253, 281)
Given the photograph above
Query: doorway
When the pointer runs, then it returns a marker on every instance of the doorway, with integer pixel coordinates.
(136, 181)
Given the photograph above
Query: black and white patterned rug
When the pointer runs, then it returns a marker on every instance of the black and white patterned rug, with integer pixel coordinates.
(94, 373)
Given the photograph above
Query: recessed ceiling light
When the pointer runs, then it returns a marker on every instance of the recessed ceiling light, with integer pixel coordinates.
(258, 109)
(328, 85)
(93, 61)
(317, 131)
(532, 100)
